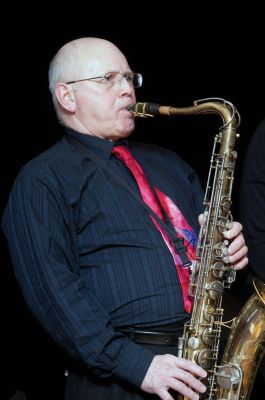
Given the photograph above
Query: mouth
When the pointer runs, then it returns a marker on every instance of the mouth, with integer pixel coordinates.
(130, 107)
(127, 109)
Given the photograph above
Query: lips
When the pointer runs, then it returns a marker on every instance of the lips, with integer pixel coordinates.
(127, 106)
(130, 106)
(126, 110)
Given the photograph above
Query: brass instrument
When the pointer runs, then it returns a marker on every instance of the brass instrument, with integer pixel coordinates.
(244, 350)
(212, 273)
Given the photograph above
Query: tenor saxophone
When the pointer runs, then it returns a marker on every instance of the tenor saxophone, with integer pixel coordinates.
(233, 377)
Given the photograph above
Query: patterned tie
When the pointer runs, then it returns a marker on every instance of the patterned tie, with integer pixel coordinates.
(161, 204)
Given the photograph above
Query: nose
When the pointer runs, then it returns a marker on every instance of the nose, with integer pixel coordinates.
(125, 87)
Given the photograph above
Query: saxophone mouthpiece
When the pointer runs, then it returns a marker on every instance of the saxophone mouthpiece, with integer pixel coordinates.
(131, 107)
(144, 110)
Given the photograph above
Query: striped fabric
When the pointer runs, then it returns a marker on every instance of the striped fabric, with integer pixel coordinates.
(161, 205)
(87, 256)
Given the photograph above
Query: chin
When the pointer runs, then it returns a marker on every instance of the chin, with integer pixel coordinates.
(122, 135)
(127, 129)
(123, 130)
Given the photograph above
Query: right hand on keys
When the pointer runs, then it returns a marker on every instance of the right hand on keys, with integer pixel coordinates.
(170, 372)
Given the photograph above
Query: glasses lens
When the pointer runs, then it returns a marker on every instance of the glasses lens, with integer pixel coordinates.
(115, 78)
(137, 80)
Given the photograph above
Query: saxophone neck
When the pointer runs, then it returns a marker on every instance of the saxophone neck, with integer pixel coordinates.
(213, 105)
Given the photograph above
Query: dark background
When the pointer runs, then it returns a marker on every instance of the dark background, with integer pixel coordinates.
(185, 51)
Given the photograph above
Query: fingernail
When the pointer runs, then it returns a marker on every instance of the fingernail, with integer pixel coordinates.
(203, 388)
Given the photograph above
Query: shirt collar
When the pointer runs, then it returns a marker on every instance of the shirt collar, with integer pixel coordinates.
(99, 146)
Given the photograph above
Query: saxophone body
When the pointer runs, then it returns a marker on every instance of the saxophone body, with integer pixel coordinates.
(244, 349)
(211, 274)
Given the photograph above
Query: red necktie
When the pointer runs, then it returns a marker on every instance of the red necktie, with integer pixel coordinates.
(151, 199)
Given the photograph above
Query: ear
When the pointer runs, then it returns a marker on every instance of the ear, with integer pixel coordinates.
(66, 97)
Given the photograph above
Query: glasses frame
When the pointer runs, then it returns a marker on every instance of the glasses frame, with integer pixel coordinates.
(123, 76)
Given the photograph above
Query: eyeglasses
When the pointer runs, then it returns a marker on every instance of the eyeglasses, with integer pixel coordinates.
(114, 79)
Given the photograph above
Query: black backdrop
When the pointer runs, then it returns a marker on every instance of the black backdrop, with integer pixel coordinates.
(185, 52)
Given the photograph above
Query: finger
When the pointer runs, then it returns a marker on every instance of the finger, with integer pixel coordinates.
(200, 219)
(164, 395)
(236, 244)
(189, 380)
(238, 255)
(241, 264)
(183, 389)
(234, 231)
(190, 367)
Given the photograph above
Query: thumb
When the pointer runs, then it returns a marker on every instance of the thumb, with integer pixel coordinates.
(202, 217)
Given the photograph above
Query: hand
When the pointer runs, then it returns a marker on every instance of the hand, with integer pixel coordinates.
(170, 372)
(237, 250)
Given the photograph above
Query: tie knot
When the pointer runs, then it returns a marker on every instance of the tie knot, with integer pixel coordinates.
(122, 152)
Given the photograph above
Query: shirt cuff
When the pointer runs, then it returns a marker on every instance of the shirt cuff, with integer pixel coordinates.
(133, 363)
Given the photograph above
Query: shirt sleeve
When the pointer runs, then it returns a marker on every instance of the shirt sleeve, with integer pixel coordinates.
(39, 228)
(252, 201)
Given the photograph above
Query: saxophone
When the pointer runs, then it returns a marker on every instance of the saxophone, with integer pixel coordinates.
(233, 378)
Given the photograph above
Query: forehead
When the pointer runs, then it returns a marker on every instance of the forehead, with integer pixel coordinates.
(102, 62)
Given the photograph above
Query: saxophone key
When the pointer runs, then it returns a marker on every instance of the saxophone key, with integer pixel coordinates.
(205, 358)
(208, 336)
(193, 343)
(215, 290)
(221, 249)
(229, 376)
(218, 269)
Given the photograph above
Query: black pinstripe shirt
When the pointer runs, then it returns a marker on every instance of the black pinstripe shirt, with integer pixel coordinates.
(88, 257)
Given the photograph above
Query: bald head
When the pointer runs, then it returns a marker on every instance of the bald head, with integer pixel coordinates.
(81, 56)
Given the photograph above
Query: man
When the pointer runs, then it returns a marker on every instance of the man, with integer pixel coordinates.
(252, 211)
(252, 202)
(93, 266)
